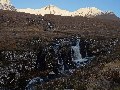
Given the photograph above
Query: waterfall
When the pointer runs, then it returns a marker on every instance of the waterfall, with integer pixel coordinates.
(76, 49)
(77, 57)
(61, 63)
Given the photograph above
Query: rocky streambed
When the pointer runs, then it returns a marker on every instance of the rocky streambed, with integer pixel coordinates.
(41, 62)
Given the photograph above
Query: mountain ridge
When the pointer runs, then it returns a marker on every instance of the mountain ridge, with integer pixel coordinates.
(89, 12)
(52, 9)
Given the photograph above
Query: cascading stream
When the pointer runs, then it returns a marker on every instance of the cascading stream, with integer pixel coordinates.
(77, 57)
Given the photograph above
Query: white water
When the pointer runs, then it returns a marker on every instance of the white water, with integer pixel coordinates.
(32, 82)
(77, 58)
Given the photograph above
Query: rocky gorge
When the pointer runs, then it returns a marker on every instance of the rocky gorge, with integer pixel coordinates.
(58, 58)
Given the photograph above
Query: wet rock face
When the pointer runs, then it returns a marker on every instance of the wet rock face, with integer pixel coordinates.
(32, 82)
(40, 62)
(66, 53)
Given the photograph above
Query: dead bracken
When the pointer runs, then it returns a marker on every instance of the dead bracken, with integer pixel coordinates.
(43, 52)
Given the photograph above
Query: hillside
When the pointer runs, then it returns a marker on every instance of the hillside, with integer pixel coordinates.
(58, 52)
(18, 25)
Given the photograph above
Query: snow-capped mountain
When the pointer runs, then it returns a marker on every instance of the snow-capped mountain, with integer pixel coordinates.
(6, 5)
(89, 12)
(51, 9)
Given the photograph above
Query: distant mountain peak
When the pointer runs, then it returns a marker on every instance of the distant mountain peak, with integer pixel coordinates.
(50, 7)
(6, 5)
(5, 2)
